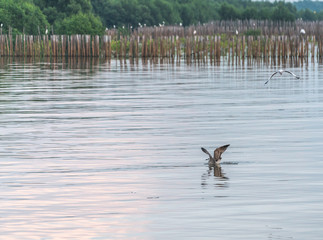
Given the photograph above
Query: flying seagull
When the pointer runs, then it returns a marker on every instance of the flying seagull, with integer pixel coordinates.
(281, 73)
(217, 154)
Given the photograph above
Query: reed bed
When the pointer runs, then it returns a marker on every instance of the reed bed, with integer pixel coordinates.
(208, 42)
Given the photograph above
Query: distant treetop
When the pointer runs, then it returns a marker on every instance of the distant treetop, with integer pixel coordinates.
(92, 17)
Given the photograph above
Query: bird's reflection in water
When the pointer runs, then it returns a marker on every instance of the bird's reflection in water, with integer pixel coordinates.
(219, 176)
(217, 171)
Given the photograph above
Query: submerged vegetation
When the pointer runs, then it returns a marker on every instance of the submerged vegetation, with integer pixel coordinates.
(94, 16)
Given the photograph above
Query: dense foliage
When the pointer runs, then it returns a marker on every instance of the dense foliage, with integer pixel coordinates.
(21, 16)
(187, 12)
(80, 23)
(71, 16)
(93, 16)
(310, 5)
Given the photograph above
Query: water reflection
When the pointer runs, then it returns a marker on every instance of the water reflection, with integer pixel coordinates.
(92, 63)
(85, 64)
(216, 175)
(217, 171)
(110, 150)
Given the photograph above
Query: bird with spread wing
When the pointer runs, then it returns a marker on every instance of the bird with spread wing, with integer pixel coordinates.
(281, 71)
(217, 154)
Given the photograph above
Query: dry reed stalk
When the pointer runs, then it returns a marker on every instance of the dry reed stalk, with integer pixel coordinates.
(276, 40)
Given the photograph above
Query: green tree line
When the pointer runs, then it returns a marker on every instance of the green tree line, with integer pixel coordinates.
(310, 5)
(93, 16)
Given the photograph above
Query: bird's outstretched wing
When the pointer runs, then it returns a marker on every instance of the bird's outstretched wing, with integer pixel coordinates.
(204, 150)
(218, 152)
(292, 74)
(271, 77)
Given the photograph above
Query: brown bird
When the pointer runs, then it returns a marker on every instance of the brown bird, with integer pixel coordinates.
(217, 154)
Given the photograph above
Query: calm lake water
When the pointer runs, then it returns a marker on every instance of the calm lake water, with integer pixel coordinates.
(112, 151)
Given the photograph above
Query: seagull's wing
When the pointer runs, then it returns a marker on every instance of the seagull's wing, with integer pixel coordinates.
(292, 74)
(271, 77)
(218, 152)
(204, 150)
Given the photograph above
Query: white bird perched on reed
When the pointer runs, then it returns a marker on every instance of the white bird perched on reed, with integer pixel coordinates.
(302, 31)
(237, 32)
(281, 71)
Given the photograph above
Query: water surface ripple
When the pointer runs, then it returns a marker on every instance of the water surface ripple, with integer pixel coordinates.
(112, 151)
